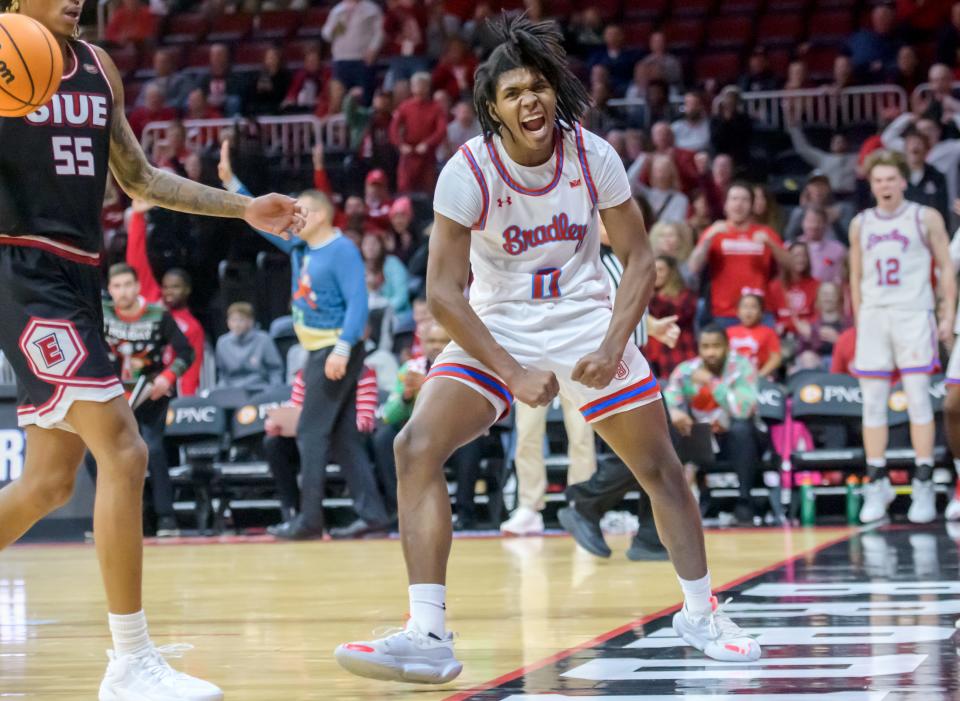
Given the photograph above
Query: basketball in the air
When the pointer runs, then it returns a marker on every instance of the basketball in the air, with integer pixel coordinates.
(31, 65)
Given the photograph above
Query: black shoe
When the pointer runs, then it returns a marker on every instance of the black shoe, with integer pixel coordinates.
(358, 529)
(295, 530)
(587, 533)
(167, 527)
(743, 514)
(646, 547)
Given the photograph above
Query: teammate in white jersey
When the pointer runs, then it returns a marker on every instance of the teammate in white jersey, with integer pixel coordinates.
(951, 403)
(521, 206)
(893, 248)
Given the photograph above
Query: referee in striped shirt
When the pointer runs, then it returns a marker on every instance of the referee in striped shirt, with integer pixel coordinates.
(589, 500)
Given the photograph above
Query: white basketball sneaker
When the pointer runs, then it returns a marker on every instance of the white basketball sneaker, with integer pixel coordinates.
(716, 635)
(523, 522)
(146, 676)
(877, 497)
(404, 655)
(923, 503)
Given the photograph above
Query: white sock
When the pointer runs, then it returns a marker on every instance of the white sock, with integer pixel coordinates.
(129, 632)
(697, 595)
(428, 608)
(956, 466)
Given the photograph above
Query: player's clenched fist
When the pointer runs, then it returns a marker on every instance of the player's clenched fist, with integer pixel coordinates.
(596, 370)
(535, 387)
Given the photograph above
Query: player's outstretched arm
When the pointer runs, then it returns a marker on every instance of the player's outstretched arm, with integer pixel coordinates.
(277, 214)
(947, 278)
(628, 237)
(448, 270)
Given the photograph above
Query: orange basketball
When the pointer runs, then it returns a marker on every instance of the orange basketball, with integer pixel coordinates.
(31, 65)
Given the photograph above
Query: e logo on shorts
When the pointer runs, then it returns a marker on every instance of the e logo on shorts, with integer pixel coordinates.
(622, 371)
(52, 348)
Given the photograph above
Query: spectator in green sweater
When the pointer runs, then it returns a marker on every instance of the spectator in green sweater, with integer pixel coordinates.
(397, 411)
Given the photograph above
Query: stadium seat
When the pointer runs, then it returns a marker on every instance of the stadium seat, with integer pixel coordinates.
(741, 7)
(559, 9)
(684, 34)
(722, 66)
(230, 28)
(644, 9)
(637, 34)
(724, 32)
(609, 9)
(779, 29)
(693, 8)
(198, 56)
(188, 28)
(126, 60)
(830, 24)
(250, 54)
(276, 26)
(311, 23)
(819, 60)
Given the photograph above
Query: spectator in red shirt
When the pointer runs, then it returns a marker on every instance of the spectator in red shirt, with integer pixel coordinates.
(419, 125)
(376, 198)
(131, 23)
(671, 298)
(739, 255)
(306, 88)
(454, 73)
(815, 341)
(793, 295)
(152, 110)
(175, 293)
(755, 340)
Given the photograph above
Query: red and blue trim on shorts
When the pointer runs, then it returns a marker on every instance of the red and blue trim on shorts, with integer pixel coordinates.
(612, 403)
(478, 378)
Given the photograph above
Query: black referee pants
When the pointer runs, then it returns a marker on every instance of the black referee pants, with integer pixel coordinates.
(328, 428)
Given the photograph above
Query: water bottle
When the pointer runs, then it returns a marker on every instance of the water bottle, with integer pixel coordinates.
(808, 503)
(853, 500)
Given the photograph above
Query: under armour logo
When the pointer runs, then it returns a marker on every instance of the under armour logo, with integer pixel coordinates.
(500, 201)
(575, 183)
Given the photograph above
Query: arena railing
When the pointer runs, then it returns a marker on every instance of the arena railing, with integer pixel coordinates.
(923, 90)
(823, 106)
(289, 135)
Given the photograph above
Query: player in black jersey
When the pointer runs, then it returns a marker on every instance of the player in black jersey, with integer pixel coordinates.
(53, 168)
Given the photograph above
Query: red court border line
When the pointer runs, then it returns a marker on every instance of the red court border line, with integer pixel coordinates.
(569, 652)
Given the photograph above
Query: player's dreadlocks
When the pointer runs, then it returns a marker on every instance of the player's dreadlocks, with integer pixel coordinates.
(534, 45)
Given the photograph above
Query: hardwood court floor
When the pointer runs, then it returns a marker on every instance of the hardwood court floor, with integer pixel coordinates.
(265, 617)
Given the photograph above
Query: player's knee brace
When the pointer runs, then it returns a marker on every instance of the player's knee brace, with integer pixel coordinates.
(917, 388)
(875, 393)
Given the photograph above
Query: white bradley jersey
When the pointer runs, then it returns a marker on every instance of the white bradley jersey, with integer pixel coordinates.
(896, 259)
(535, 229)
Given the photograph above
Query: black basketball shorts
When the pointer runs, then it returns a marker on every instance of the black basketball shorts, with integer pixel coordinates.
(51, 332)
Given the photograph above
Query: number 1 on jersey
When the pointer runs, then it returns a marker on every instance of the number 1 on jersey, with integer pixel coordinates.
(888, 272)
(546, 283)
(73, 156)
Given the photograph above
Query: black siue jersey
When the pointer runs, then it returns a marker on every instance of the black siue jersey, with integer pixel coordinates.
(54, 164)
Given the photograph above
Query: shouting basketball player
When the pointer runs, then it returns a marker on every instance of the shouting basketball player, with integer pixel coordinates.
(520, 204)
(53, 171)
(892, 249)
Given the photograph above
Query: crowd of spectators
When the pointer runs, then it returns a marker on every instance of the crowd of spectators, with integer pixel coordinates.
(737, 249)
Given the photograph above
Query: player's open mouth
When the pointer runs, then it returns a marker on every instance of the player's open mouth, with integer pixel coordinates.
(534, 124)
(72, 14)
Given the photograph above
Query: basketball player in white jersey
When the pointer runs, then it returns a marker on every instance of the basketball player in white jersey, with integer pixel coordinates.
(521, 206)
(951, 403)
(893, 248)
